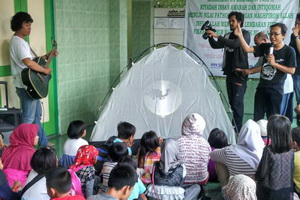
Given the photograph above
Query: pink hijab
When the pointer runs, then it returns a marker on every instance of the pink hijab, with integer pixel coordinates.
(21, 149)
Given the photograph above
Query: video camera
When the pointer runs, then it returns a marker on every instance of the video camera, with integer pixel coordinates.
(207, 26)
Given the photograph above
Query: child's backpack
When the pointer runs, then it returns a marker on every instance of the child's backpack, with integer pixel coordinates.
(76, 184)
(103, 154)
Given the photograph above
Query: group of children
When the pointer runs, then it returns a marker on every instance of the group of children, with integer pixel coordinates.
(162, 168)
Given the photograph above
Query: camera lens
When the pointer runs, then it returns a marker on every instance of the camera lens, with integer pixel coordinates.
(205, 36)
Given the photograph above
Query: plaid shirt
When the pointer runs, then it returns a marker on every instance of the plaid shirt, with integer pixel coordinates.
(150, 158)
(85, 174)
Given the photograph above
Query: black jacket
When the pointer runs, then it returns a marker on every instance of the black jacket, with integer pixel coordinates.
(240, 57)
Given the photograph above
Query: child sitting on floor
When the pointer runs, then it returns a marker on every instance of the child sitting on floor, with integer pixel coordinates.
(275, 171)
(217, 140)
(76, 131)
(263, 130)
(139, 187)
(240, 187)
(126, 132)
(168, 176)
(149, 153)
(86, 157)
(58, 182)
(43, 159)
(116, 152)
(120, 184)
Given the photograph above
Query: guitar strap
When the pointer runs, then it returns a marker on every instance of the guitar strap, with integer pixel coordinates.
(33, 52)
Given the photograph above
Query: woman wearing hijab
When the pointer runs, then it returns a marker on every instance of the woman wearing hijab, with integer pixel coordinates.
(168, 175)
(85, 159)
(194, 149)
(17, 156)
(6, 192)
(240, 187)
(244, 157)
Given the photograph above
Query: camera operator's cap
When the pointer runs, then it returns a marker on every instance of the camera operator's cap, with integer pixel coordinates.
(263, 126)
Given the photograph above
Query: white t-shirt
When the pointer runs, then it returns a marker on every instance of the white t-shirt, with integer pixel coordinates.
(37, 190)
(19, 50)
(288, 84)
(72, 145)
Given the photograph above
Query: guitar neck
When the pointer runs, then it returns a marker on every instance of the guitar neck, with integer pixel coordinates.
(52, 53)
(50, 57)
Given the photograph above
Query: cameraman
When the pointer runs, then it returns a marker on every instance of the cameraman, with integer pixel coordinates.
(234, 57)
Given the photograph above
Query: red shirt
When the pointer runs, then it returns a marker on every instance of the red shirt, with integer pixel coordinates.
(77, 197)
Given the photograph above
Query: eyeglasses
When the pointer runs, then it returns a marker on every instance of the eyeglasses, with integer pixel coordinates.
(275, 34)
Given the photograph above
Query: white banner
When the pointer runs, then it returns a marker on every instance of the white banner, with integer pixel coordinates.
(259, 15)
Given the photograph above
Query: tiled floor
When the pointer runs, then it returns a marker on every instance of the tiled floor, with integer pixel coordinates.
(59, 140)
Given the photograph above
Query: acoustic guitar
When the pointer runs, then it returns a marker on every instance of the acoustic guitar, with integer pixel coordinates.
(37, 83)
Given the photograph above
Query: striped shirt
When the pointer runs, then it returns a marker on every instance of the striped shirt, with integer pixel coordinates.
(107, 167)
(234, 163)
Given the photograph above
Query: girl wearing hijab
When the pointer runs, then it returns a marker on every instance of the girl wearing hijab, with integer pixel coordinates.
(194, 149)
(240, 187)
(85, 158)
(243, 157)
(17, 156)
(168, 175)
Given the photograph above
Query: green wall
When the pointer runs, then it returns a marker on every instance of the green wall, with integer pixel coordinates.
(92, 38)
(142, 17)
(96, 38)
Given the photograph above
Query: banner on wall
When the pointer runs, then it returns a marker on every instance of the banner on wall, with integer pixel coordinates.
(259, 15)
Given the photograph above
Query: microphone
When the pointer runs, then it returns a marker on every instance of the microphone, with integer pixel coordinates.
(271, 48)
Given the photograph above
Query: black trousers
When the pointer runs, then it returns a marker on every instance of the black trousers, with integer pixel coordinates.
(267, 101)
(236, 88)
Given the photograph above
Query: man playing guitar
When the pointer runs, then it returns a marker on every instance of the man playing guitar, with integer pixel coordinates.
(21, 58)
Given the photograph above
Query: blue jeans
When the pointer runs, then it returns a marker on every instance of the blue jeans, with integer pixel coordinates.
(32, 113)
(290, 108)
(286, 106)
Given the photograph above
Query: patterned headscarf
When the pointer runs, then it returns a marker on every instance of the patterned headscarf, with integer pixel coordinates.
(169, 155)
(21, 149)
(193, 124)
(240, 187)
(86, 156)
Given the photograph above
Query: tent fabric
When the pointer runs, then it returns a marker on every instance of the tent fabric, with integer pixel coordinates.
(157, 94)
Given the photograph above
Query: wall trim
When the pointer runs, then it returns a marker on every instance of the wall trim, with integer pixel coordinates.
(5, 70)
(51, 127)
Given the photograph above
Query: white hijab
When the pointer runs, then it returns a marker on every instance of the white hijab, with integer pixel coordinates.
(250, 145)
(193, 124)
